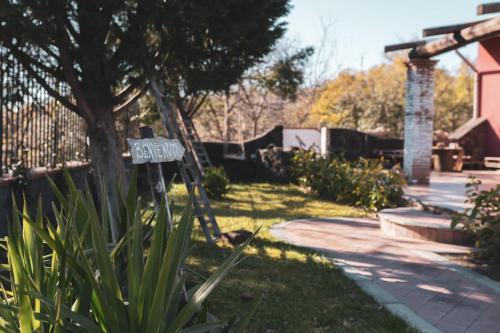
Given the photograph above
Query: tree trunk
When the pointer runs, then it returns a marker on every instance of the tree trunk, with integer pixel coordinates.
(108, 164)
(255, 127)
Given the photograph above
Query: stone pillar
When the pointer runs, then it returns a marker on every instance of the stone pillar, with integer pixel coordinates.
(419, 112)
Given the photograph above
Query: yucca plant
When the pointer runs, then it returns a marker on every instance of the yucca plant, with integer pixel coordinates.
(67, 276)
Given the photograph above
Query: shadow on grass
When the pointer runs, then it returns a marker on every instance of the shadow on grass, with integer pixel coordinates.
(303, 292)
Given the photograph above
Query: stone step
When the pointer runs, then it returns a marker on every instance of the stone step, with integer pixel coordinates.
(411, 222)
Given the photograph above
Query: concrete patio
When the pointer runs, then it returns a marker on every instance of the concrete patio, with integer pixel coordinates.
(447, 189)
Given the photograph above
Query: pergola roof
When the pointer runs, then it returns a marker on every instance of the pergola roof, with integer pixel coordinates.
(455, 36)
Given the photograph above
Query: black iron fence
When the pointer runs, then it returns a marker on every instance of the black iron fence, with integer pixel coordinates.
(35, 129)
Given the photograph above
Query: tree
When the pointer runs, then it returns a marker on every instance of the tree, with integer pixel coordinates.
(259, 94)
(454, 98)
(105, 51)
(375, 99)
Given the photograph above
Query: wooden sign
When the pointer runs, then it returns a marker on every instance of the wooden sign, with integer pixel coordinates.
(155, 150)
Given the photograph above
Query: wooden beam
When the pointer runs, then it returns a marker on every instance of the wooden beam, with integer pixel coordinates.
(447, 28)
(403, 46)
(488, 8)
(474, 33)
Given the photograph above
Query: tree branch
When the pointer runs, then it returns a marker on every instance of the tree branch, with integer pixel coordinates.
(25, 58)
(52, 92)
(216, 121)
(69, 70)
(197, 107)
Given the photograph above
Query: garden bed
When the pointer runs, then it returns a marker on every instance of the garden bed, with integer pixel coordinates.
(303, 291)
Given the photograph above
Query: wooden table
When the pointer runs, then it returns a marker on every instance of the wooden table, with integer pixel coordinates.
(448, 158)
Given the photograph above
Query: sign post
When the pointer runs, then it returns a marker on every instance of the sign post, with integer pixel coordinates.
(152, 152)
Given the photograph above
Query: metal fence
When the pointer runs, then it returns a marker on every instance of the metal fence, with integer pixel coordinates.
(35, 129)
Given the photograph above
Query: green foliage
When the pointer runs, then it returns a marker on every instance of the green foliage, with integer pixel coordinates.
(216, 182)
(482, 220)
(363, 183)
(69, 276)
(286, 74)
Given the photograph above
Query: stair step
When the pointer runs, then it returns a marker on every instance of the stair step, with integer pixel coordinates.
(410, 222)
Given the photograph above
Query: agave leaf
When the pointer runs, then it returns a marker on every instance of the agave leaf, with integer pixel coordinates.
(131, 201)
(102, 310)
(26, 317)
(7, 327)
(108, 278)
(169, 270)
(55, 242)
(135, 266)
(83, 321)
(152, 267)
(57, 192)
(178, 294)
(199, 296)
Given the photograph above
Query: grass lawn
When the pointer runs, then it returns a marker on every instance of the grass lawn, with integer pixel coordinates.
(303, 292)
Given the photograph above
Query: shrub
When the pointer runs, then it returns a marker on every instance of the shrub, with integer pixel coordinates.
(482, 220)
(69, 276)
(363, 183)
(216, 182)
(275, 164)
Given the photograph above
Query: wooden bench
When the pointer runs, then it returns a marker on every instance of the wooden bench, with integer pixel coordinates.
(492, 162)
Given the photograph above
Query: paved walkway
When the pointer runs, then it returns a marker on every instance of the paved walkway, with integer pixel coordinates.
(447, 189)
(407, 276)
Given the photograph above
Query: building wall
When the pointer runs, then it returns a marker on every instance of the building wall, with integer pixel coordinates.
(488, 65)
(301, 138)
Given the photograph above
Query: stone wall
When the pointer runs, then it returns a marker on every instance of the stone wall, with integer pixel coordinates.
(38, 187)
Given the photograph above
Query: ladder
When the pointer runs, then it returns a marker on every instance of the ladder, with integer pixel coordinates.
(199, 151)
(190, 169)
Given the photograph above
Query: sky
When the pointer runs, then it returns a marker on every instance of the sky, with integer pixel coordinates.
(358, 30)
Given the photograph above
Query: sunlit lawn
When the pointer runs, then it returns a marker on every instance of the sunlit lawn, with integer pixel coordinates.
(303, 292)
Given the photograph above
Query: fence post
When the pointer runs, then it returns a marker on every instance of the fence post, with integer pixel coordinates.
(1, 110)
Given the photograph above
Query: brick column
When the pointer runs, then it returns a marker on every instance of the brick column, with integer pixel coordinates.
(419, 112)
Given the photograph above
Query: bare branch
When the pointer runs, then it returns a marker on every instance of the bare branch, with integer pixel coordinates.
(67, 63)
(197, 107)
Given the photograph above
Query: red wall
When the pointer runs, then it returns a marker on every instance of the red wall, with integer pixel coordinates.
(488, 65)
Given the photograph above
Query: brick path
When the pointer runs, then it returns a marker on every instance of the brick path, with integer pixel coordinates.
(405, 275)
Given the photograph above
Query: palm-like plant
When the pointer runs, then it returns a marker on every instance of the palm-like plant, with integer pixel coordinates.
(68, 276)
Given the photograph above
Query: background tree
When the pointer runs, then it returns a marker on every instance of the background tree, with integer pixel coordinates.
(375, 99)
(454, 98)
(256, 101)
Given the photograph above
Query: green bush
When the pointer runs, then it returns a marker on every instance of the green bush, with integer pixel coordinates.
(216, 182)
(363, 183)
(68, 276)
(482, 220)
